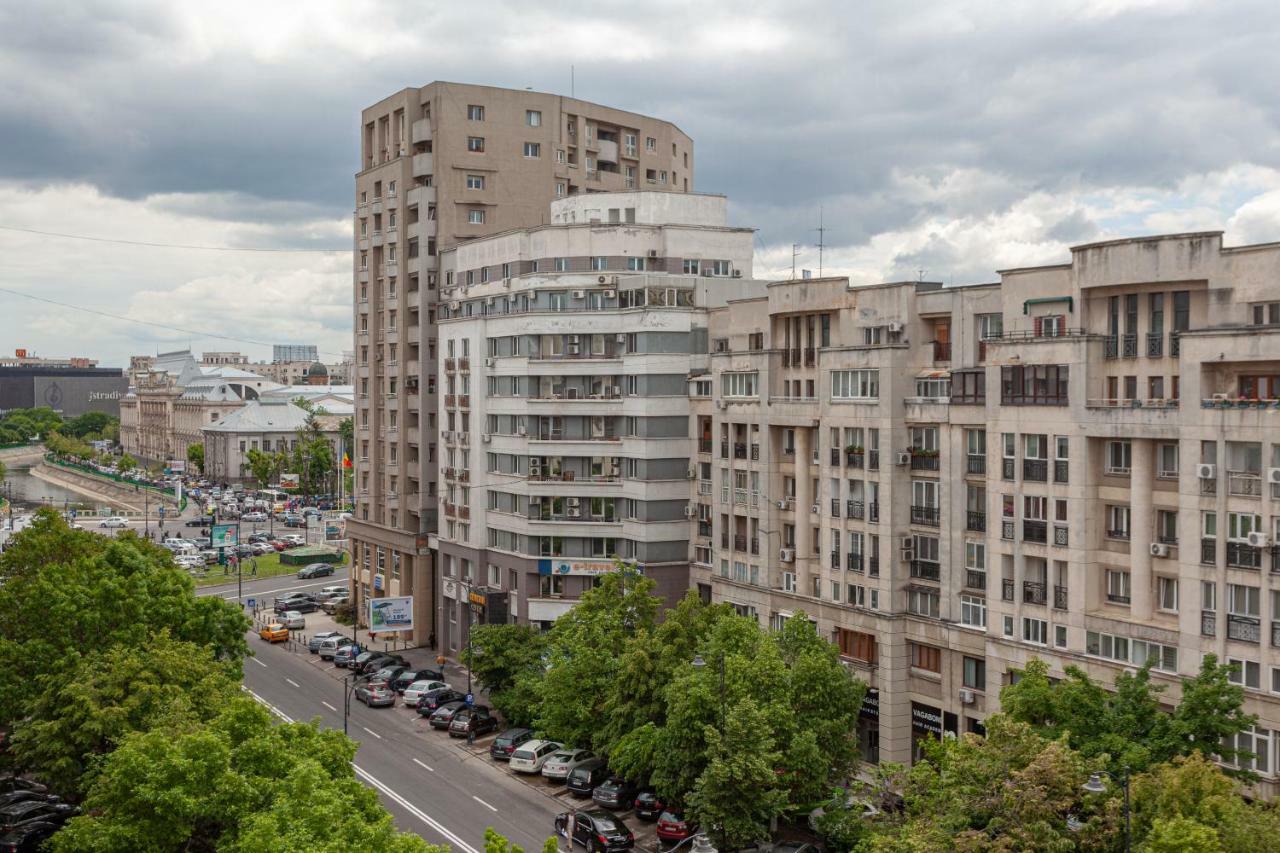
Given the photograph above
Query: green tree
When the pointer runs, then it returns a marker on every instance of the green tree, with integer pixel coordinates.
(126, 463)
(265, 466)
(90, 424)
(68, 592)
(112, 692)
(1180, 835)
(507, 659)
(195, 455)
(737, 795)
(495, 843)
(4, 472)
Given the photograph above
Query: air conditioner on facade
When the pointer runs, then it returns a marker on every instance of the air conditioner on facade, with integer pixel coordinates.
(446, 436)
(486, 437)
(621, 338)
(615, 391)
(787, 555)
(535, 471)
(653, 253)
(815, 509)
(904, 458)
(907, 543)
(572, 502)
(1273, 476)
(895, 327)
(723, 404)
(573, 349)
(489, 362)
(782, 504)
(573, 512)
(1206, 471)
(690, 511)
(1159, 549)
(693, 473)
(579, 294)
(610, 294)
(573, 339)
(602, 279)
(966, 696)
(1258, 540)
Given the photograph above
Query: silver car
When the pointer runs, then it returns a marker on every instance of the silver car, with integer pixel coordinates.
(343, 655)
(293, 620)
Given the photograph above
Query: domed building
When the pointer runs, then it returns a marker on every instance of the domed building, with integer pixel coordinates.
(317, 374)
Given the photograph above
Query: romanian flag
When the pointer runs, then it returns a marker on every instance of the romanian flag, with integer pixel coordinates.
(346, 460)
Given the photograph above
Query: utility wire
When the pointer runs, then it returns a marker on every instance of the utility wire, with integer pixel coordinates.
(170, 245)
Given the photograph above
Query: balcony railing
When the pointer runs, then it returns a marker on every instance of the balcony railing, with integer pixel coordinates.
(873, 567)
(924, 463)
(1155, 344)
(835, 457)
(1175, 346)
(1033, 592)
(724, 450)
(1129, 346)
(927, 515)
(1007, 529)
(1242, 556)
(1208, 623)
(975, 579)
(739, 451)
(1035, 469)
(835, 560)
(854, 509)
(1111, 347)
(853, 562)
(1208, 551)
(1121, 534)
(1244, 628)
(873, 460)
(975, 520)
(1006, 589)
(739, 543)
(755, 453)
(704, 445)
(976, 464)
(1060, 535)
(942, 351)
(835, 507)
(873, 512)
(1060, 598)
(1035, 531)
(926, 570)
(1060, 471)
(1007, 468)
(854, 458)
(1117, 598)
(1244, 484)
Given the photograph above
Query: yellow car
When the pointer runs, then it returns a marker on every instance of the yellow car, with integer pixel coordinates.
(274, 633)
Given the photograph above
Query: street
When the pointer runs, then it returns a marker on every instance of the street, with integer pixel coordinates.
(431, 783)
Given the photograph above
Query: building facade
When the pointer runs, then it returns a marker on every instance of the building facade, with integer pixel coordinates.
(294, 352)
(69, 391)
(1080, 463)
(440, 164)
(269, 425)
(564, 409)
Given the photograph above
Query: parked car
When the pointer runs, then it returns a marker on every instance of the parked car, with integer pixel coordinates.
(329, 605)
(532, 754)
(195, 522)
(417, 689)
(375, 695)
(584, 778)
(315, 570)
(596, 830)
(299, 601)
(648, 805)
(201, 542)
(674, 826)
(293, 620)
(443, 716)
(31, 811)
(361, 659)
(257, 537)
(429, 703)
(23, 796)
(473, 721)
(506, 742)
(292, 539)
(373, 664)
(28, 837)
(343, 655)
(313, 644)
(243, 551)
(852, 801)
(13, 782)
(331, 591)
(254, 516)
(387, 674)
(274, 632)
(261, 549)
(409, 676)
(114, 521)
(562, 761)
(617, 793)
(291, 520)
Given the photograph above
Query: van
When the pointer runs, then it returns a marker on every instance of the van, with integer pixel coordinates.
(586, 776)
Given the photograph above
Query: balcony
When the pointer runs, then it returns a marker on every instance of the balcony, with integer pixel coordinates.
(1208, 623)
(922, 462)
(1244, 484)
(1208, 551)
(704, 445)
(926, 570)
(926, 515)
(416, 196)
(1007, 529)
(1242, 556)
(1033, 592)
(1006, 589)
(1246, 629)
(1059, 598)
(1035, 531)
(873, 460)
(853, 562)
(422, 165)
(464, 364)
(1129, 346)
(1061, 470)
(854, 509)
(941, 352)
(1007, 469)
(974, 579)
(420, 130)
(1060, 535)
(854, 458)
(975, 520)
(975, 464)
(1155, 345)
(1035, 470)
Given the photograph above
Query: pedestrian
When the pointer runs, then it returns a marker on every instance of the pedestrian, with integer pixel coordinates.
(254, 571)
(471, 736)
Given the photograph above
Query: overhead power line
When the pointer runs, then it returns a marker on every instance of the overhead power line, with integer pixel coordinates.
(152, 245)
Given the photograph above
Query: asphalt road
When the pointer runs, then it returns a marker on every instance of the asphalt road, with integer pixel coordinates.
(432, 784)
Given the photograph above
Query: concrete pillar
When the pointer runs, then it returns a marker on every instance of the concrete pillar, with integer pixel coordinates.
(1141, 528)
(895, 701)
(804, 519)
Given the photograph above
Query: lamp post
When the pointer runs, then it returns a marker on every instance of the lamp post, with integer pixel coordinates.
(699, 663)
(1096, 785)
(348, 688)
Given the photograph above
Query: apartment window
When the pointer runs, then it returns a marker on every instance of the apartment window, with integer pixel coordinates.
(533, 118)
(1167, 594)
(1035, 631)
(873, 336)
(476, 217)
(1034, 385)
(650, 144)
(599, 263)
(1006, 625)
(559, 189)
(739, 384)
(1247, 673)
(928, 658)
(475, 144)
(475, 182)
(1243, 600)
(475, 112)
(690, 266)
(532, 149)
(1167, 461)
(1241, 524)
(973, 611)
(562, 264)
(1119, 457)
(857, 645)
(1060, 636)
(855, 384)
(550, 586)
(1167, 526)
(1117, 586)
(1266, 313)
(975, 673)
(923, 602)
(635, 264)
(717, 268)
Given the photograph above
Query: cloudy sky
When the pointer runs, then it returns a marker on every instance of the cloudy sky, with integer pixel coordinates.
(953, 137)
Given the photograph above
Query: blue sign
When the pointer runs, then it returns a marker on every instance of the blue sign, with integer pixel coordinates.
(471, 699)
(252, 601)
(162, 512)
(377, 582)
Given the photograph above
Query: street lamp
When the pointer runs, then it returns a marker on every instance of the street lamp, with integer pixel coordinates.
(1096, 785)
(699, 663)
(348, 688)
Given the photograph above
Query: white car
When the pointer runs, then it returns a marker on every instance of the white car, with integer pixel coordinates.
(294, 538)
(254, 516)
(260, 548)
(414, 691)
(563, 761)
(114, 521)
(532, 754)
(293, 620)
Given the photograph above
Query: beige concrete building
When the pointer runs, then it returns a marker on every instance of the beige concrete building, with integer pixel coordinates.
(267, 424)
(440, 164)
(1079, 463)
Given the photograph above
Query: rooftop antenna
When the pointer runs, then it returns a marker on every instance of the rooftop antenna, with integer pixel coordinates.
(920, 274)
(795, 250)
(821, 235)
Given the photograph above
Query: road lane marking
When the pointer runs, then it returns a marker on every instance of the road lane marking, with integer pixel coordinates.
(423, 766)
(258, 662)
(327, 705)
(372, 732)
(294, 683)
(483, 803)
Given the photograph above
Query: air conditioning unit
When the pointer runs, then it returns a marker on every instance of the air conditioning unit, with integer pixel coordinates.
(535, 471)
(601, 279)
(1258, 540)
(446, 436)
(579, 294)
(1206, 471)
(613, 279)
(506, 282)
(782, 504)
(1273, 476)
(690, 511)
(489, 362)
(486, 437)
(1159, 549)
(573, 349)
(737, 273)
(723, 404)
(904, 458)
(454, 306)
(787, 555)
(1221, 398)
(573, 339)
(895, 328)
(653, 253)
(693, 473)
(621, 338)
(615, 390)
(573, 512)
(491, 300)
(907, 543)
(966, 696)
(610, 294)
(572, 502)
(815, 509)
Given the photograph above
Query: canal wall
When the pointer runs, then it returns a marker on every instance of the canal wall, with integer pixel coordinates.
(101, 490)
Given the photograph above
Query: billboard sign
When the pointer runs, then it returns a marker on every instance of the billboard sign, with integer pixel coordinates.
(289, 481)
(391, 614)
(175, 466)
(224, 536)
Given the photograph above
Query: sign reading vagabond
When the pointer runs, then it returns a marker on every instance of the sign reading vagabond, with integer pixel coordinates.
(391, 614)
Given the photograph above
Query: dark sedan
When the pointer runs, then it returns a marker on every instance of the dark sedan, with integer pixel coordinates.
(315, 570)
(505, 744)
(28, 837)
(475, 721)
(429, 703)
(409, 676)
(596, 830)
(615, 794)
(30, 811)
(441, 717)
(649, 805)
(195, 522)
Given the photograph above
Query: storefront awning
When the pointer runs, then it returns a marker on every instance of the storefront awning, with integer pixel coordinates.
(1044, 300)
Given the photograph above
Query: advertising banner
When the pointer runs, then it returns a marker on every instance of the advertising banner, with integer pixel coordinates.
(289, 481)
(224, 536)
(391, 614)
(176, 466)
